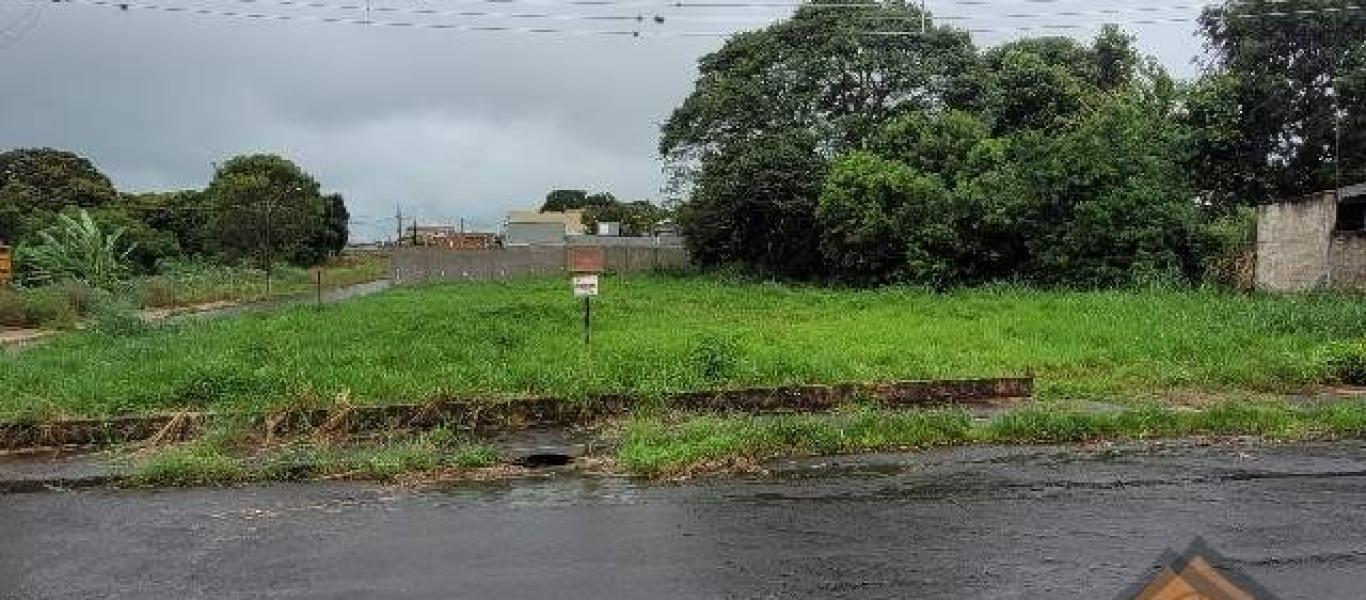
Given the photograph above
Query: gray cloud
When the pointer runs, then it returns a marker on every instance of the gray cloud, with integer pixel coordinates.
(450, 124)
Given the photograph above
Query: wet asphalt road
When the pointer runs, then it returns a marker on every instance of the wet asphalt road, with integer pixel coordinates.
(964, 523)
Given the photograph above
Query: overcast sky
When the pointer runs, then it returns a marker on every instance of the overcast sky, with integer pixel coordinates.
(446, 123)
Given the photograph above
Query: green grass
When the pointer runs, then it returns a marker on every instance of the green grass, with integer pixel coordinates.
(657, 334)
(658, 446)
(64, 305)
(655, 446)
(187, 284)
(226, 456)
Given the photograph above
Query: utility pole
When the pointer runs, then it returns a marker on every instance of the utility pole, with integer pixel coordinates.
(398, 214)
(1337, 141)
(270, 251)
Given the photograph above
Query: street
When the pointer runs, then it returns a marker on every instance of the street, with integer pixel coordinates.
(976, 522)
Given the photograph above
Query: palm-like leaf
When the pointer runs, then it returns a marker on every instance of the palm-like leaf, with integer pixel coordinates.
(76, 248)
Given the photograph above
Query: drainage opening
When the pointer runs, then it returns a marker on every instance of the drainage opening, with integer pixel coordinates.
(549, 459)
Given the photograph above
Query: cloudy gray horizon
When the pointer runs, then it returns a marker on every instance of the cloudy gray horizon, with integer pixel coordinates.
(447, 123)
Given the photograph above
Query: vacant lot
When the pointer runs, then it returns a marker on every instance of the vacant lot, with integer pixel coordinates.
(658, 334)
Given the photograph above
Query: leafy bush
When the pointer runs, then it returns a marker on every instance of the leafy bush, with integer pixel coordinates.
(11, 309)
(49, 307)
(1228, 245)
(1345, 362)
(77, 248)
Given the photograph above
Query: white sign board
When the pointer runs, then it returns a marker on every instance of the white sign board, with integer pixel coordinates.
(585, 285)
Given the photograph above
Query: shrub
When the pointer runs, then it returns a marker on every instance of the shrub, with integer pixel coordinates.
(156, 292)
(117, 318)
(11, 309)
(1228, 248)
(77, 248)
(48, 307)
(80, 296)
(1345, 363)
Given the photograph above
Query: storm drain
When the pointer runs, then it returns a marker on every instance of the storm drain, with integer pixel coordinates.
(542, 460)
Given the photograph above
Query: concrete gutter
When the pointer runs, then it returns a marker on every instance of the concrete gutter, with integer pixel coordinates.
(495, 415)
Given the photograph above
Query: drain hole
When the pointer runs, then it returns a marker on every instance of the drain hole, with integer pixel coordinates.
(537, 461)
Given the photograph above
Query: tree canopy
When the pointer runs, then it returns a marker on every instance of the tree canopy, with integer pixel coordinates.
(1266, 112)
(266, 208)
(38, 183)
(815, 148)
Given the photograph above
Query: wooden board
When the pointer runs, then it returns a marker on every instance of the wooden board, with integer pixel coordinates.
(5, 269)
(584, 259)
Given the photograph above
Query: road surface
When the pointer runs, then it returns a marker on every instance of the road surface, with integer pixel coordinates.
(959, 523)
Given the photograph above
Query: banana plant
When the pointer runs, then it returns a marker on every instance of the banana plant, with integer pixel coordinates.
(77, 248)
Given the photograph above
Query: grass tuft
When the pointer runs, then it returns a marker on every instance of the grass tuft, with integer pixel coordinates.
(655, 447)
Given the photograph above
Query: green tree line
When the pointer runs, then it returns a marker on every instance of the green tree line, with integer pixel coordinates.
(637, 217)
(258, 208)
(815, 148)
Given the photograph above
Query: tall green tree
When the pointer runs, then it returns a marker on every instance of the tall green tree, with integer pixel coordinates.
(38, 183)
(184, 214)
(336, 225)
(1267, 112)
(561, 200)
(754, 205)
(882, 221)
(809, 87)
(266, 209)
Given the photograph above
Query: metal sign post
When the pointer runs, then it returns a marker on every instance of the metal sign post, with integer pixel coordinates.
(584, 264)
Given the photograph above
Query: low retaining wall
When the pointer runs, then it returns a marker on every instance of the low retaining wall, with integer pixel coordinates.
(407, 265)
(494, 416)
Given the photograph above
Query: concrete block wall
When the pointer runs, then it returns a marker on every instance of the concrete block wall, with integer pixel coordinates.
(1347, 259)
(1293, 242)
(408, 265)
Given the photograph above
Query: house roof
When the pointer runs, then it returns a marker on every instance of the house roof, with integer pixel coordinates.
(534, 216)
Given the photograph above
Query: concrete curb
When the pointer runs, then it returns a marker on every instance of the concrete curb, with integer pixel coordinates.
(492, 416)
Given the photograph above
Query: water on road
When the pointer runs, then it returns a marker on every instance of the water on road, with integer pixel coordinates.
(983, 522)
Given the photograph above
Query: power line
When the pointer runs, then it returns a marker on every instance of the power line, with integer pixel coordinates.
(123, 5)
(446, 13)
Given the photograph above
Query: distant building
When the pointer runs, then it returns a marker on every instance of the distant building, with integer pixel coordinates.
(535, 228)
(609, 228)
(1313, 241)
(448, 236)
(665, 228)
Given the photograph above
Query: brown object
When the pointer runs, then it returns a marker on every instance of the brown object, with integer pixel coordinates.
(584, 259)
(1198, 580)
(6, 268)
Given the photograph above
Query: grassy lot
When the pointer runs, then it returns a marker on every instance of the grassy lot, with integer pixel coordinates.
(655, 334)
(659, 446)
(63, 305)
(189, 284)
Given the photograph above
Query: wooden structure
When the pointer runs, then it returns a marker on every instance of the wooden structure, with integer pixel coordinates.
(584, 259)
(6, 265)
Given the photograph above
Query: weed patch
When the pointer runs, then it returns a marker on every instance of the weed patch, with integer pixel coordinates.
(227, 454)
(656, 446)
